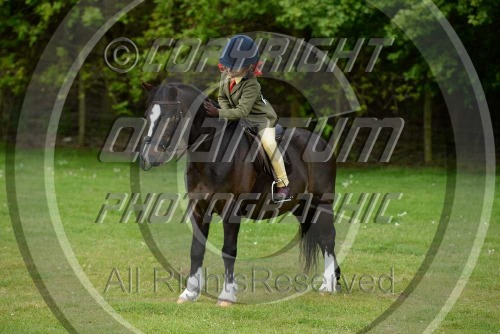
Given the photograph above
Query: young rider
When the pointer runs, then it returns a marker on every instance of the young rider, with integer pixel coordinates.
(240, 98)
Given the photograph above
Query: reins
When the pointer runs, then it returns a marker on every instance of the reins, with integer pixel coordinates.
(178, 117)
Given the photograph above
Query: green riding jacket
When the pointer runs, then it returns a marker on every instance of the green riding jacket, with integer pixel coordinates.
(245, 102)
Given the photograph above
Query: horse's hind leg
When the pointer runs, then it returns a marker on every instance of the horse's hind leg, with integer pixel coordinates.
(198, 244)
(326, 236)
(318, 230)
(229, 251)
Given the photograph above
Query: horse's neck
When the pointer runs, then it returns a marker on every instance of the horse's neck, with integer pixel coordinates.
(196, 135)
(196, 132)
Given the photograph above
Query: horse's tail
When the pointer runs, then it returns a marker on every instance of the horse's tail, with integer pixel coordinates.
(309, 244)
(320, 181)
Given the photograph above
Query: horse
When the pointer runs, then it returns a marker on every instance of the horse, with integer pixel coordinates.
(222, 181)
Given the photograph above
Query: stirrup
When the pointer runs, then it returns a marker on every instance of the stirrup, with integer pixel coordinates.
(287, 199)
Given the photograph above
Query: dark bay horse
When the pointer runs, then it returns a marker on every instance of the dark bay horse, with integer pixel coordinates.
(220, 185)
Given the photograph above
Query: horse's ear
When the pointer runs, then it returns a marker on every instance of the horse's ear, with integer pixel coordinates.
(147, 86)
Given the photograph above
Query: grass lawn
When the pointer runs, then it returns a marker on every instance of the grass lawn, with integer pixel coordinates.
(368, 248)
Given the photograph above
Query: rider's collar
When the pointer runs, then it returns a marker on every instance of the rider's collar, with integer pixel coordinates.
(238, 79)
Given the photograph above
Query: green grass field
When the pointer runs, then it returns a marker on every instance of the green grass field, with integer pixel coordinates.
(81, 185)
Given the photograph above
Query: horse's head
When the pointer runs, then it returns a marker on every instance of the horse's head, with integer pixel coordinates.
(164, 114)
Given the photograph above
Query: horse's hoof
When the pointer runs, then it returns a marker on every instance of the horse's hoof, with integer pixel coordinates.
(182, 300)
(224, 303)
(338, 289)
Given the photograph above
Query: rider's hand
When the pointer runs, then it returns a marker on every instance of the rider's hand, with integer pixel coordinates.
(212, 111)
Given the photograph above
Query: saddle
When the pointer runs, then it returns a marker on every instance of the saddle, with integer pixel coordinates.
(262, 162)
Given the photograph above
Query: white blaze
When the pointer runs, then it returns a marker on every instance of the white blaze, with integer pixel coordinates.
(153, 117)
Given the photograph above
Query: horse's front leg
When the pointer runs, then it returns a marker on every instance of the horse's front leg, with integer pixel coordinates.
(198, 244)
(229, 250)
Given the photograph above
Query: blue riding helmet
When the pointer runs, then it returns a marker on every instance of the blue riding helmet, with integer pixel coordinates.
(239, 52)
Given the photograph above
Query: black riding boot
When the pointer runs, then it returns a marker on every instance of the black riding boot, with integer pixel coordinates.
(282, 194)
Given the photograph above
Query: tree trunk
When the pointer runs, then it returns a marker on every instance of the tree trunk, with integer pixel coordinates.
(3, 119)
(294, 107)
(81, 110)
(427, 125)
(336, 132)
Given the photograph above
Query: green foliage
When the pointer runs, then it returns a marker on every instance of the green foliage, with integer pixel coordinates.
(92, 17)
(322, 18)
(396, 82)
(478, 12)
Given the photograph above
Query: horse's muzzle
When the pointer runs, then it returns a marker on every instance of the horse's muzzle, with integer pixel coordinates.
(151, 156)
(144, 157)
(144, 164)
